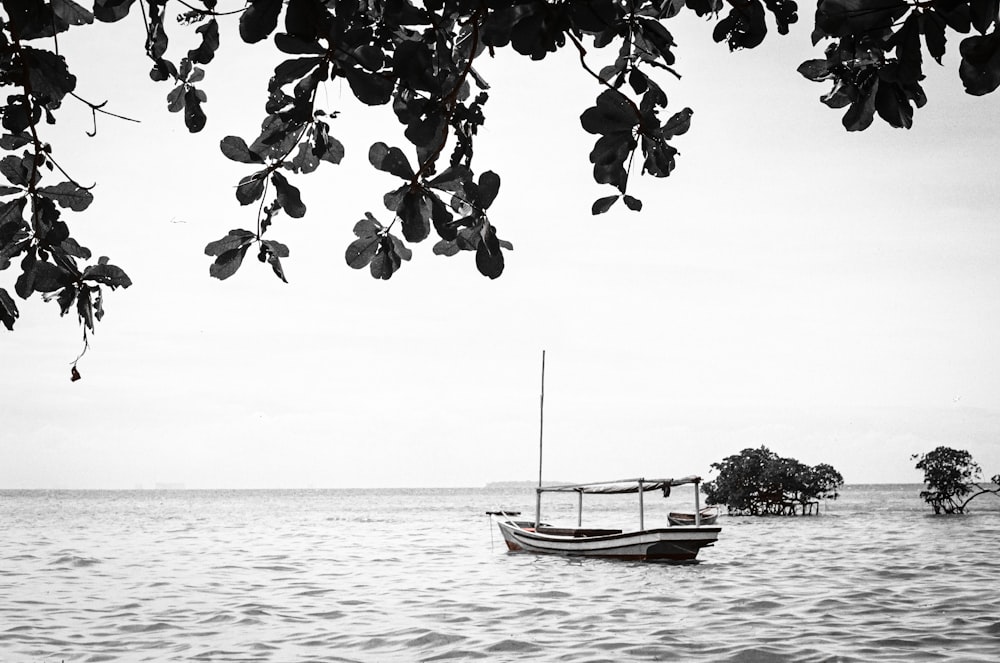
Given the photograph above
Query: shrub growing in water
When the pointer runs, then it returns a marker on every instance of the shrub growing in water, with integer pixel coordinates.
(952, 479)
(760, 482)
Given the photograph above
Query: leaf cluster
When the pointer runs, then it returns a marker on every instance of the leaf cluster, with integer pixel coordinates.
(34, 232)
(875, 61)
(419, 57)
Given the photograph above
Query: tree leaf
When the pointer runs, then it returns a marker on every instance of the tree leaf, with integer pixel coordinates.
(8, 310)
(932, 25)
(228, 262)
(612, 114)
(85, 309)
(980, 68)
(862, 111)
(368, 226)
(370, 89)
(68, 195)
(109, 11)
(73, 248)
(489, 257)
(293, 70)
(325, 146)
(175, 99)
(14, 141)
(71, 13)
(983, 14)
(446, 247)
(288, 196)
(414, 213)
(48, 74)
(489, 186)
(390, 160)
(259, 20)
(109, 275)
(602, 205)
(234, 240)
(251, 187)
(678, 124)
(452, 179)
(305, 160)
(815, 70)
(386, 261)
(633, 204)
(361, 251)
(47, 277)
(297, 46)
(205, 52)
(12, 167)
(194, 116)
(272, 252)
(235, 148)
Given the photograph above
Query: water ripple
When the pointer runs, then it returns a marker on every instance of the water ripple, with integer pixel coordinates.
(374, 576)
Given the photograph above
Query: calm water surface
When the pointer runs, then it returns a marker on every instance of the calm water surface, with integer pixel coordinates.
(422, 575)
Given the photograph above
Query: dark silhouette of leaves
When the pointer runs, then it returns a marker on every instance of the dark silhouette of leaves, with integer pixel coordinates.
(288, 196)
(489, 257)
(8, 310)
(110, 11)
(235, 148)
(228, 262)
(194, 116)
(68, 194)
(271, 252)
(259, 20)
(108, 275)
(48, 74)
(602, 205)
(205, 51)
(612, 114)
(251, 187)
(422, 58)
(391, 160)
(980, 68)
(71, 13)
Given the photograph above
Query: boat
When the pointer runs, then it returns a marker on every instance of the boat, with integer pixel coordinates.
(708, 517)
(674, 542)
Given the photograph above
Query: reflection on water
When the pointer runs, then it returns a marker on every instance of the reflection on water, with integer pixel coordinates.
(422, 575)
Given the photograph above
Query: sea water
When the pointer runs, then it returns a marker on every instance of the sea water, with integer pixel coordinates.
(423, 575)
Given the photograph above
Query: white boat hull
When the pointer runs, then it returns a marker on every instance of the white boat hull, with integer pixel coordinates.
(674, 543)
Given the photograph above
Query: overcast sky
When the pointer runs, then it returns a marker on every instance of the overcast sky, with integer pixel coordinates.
(833, 296)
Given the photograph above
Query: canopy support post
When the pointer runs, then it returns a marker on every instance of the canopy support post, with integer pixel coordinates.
(642, 515)
(697, 506)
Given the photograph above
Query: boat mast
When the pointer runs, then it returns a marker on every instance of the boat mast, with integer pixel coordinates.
(541, 428)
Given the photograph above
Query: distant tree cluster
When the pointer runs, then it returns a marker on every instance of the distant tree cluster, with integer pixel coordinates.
(953, 479)
(759, 482)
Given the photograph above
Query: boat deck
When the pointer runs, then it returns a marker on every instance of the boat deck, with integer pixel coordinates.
(576, 531)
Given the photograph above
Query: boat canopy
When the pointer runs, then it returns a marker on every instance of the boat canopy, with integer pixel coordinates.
(621, 486)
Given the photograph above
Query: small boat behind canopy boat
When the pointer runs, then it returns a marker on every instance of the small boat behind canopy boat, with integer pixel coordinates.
(708, 517)
(677, 543)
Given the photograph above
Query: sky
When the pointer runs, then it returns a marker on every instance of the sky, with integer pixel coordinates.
(832, 296)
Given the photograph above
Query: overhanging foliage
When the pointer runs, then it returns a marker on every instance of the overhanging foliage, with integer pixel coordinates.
(419, 57)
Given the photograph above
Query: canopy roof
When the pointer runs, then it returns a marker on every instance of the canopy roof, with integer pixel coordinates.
(621, 486)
